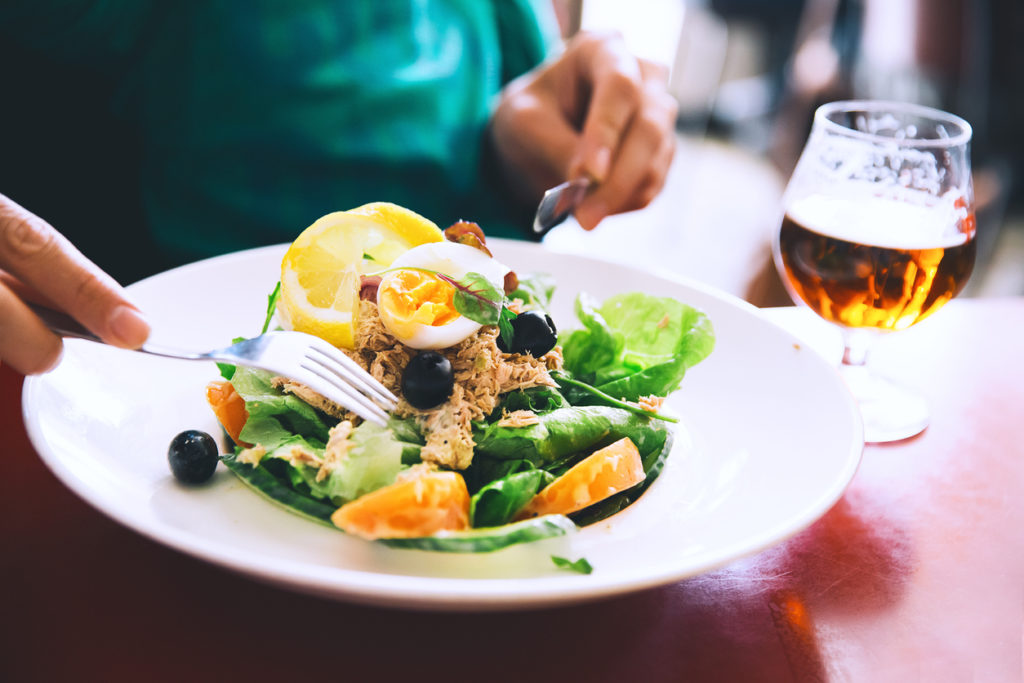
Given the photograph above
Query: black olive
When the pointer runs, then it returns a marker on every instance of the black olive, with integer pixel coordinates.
(192, 456)
(533, 332)
(428, 380)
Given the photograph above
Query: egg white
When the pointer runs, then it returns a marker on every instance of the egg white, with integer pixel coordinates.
(450, 259)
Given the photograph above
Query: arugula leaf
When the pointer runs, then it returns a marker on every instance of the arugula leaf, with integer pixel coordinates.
(498, 502)
(505, 326)
(657, 380)
(488, 539)
(584, 394)
(580, 566)
(535, 399)
(568, 431)
(271, 306)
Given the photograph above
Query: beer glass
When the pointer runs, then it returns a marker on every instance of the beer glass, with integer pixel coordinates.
(878, 234)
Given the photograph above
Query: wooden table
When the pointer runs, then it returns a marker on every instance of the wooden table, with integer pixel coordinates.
(917, 574)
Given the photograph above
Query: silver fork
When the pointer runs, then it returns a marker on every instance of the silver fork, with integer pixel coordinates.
(300, 357)
(557, 203)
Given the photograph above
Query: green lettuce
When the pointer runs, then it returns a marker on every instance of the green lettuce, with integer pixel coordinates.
(280, 422)
(565, 432)
(374, 461)
(535, 290)
(501, 499)
(635, 345)
(275, 416)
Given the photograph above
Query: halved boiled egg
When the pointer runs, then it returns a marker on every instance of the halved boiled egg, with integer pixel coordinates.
(417, 308)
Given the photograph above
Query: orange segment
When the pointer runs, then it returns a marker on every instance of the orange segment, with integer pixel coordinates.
(229, 407)
(432, 502)
(614, 468)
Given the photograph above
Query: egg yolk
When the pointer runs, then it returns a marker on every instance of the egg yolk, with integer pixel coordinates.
(415, 298)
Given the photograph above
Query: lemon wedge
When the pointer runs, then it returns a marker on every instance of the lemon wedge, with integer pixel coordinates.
(321, 271)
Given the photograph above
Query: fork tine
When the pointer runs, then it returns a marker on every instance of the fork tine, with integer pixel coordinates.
(342, 378)
(341, 393)
(348, 370)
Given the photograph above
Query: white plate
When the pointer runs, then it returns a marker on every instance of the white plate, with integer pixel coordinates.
(770, 438)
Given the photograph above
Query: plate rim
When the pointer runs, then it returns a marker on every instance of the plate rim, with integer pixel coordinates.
(447, 593)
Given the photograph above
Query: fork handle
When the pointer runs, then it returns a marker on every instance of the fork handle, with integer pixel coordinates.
(62, 323)
(66, 326)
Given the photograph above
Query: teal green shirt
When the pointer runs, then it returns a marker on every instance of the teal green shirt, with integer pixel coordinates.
(259, 116)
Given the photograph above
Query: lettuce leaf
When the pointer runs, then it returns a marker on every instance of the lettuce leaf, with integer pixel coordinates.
(535, 290)
(374, 461)
(658, 330)
(566, 432)
(500, 500)
(273, 415)
(594, 347)
(280, 422)
(635, 345)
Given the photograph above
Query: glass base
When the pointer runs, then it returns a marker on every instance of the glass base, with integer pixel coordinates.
(889, 412)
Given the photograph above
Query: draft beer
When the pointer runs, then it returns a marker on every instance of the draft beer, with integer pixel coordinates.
(878, 233)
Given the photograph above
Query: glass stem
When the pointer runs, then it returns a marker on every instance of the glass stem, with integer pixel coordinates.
(855, 346)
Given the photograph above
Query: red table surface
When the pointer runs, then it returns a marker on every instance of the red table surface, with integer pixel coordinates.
(916, 574)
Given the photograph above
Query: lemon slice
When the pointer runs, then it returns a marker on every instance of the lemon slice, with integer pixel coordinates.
(321, 271)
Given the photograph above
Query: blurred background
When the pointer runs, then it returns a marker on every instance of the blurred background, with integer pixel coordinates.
(748, 75)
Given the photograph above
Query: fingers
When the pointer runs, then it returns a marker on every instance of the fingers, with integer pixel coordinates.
(616, 86)
(25, 342)
(642, 159)
(532, 139)
(48, 267)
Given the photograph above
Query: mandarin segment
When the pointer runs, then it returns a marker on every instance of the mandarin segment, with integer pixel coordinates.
(604, 473)
(411, 508)
(229, 408)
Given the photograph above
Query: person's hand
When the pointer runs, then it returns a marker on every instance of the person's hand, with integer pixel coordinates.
(595, 111)
(39, 264)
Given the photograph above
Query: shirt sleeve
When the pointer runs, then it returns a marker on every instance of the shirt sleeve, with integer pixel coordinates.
(94, 33)
(527, 31)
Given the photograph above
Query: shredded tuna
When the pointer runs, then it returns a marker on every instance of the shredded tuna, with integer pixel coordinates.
(651, 404)
(338, 446)
(663, 323)
(252, 456)
(309, 396)
(482, 374)
(299, 455)
(553, 359)
(415, 472)
(518, 418)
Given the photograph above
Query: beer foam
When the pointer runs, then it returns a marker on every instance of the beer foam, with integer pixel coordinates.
(880, 221)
